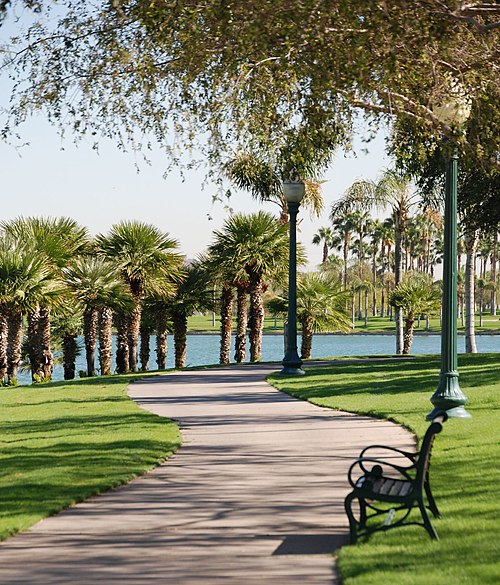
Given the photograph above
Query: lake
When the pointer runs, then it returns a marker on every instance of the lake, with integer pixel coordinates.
(204, 349)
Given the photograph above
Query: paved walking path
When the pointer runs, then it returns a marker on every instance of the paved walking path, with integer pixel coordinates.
(253, 496)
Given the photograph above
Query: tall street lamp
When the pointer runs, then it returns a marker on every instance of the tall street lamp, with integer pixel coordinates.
(292, 364)
(448, 396)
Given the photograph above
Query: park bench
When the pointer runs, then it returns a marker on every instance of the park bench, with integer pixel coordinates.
(391, 489)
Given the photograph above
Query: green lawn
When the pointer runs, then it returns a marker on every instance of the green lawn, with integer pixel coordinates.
(464, 472)
(204, 324)
(63, 442)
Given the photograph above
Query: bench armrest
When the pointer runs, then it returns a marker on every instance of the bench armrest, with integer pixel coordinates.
(411, 456)
(361, 464)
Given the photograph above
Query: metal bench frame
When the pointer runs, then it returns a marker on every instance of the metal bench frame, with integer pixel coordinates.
(391, 483)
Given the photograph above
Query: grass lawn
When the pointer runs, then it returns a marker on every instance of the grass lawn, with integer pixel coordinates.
(204, 324)
(63, 442)
(464, 473)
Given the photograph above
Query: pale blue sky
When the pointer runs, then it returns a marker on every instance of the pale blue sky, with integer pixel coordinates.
(54, 177)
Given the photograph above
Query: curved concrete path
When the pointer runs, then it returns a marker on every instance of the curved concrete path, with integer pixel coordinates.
(253, 496)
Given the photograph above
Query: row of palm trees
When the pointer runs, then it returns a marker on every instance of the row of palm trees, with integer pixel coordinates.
(56, 279)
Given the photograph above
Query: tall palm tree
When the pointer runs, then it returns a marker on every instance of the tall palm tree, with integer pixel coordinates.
(344, 225)
(230, 276)
(264, 181)
(416, 296)
(377, 231)
(393, 191)
(58, 240)
(324, 236)
(258, 244)
(95, 283)
(194, 293)
(148, 261)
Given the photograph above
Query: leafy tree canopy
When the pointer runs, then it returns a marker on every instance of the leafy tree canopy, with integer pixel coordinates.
(251, 72)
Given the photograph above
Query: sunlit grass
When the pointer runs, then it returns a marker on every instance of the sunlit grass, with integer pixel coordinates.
(464, 471)
(205, 324)
(63, 442)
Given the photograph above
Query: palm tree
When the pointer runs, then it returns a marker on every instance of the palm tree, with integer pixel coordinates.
(95, 283)
(258, 244)
(377, 231)
(148, 261)
(416, 296)
(303, 155)
(324, 236)
(320, 307)
(393, 190)
(344, 225)
(194, 293)
(58, 240)
(67, 326)
(26, 281)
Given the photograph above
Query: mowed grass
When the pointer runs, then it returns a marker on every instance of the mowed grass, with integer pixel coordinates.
(464, 472)
(63, 442)
(205, 324)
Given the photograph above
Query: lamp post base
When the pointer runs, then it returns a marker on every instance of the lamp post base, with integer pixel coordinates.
(292, 371)
(448, 398)
(455, 412)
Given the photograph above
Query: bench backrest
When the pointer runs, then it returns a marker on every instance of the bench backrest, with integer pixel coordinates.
(424, 456)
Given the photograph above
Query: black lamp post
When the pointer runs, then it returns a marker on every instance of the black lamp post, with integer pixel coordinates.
(292, 364)
(448, 396)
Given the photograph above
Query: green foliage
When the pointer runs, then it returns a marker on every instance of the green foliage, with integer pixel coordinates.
(67, 441)
(146, 257)
(463, 474)
(254, 73)
(416, 295)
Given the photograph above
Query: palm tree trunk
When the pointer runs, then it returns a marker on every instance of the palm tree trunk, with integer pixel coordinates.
(15, 342)
(145, 347)
(161, 340)
(69, 348)
(45, 332)
(179, 322)
(346, 256)
(408, 333)
(306, 344)
(90, 317)
(122, 348)
(3, 348)
(133, 335)
(493, 299)
(398, 269)
(242, 319)
(226, 323)
(34, 344)
(105, 340)
(257, 310)
(366, 308)
(471, 240)
(325, 252)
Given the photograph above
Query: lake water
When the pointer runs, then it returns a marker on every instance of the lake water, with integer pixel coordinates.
(204, 349)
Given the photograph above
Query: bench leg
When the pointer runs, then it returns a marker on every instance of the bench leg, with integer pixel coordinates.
(353, 524)
(427, 523)
(430, 498)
